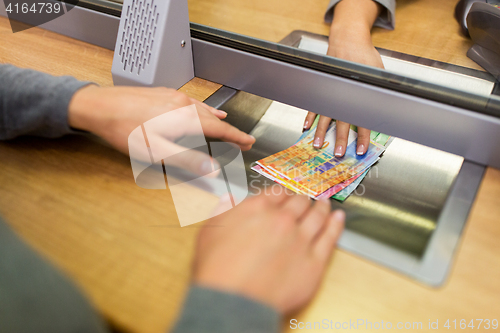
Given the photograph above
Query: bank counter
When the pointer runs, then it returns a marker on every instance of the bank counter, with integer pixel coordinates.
(421, 241)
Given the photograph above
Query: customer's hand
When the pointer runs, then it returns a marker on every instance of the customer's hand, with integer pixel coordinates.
(114, 112)
(270, 248)
(350, 39)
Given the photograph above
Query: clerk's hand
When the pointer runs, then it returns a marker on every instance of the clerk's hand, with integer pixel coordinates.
(114, 112)
(350, 39)
(270, 248)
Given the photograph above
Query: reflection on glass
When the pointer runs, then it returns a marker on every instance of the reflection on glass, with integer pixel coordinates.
(424, 55)
(423, 29)
(427, 44)
(456, 77)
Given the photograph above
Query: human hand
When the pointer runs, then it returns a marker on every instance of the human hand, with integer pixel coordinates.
(270, 248)
(350, 39)
(114, 112)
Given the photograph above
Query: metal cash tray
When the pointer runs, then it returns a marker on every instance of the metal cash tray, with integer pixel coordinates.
(407, 214)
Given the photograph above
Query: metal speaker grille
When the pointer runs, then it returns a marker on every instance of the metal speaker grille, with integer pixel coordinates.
(137, 37)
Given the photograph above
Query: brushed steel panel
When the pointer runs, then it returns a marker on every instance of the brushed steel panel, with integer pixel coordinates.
(407, 214)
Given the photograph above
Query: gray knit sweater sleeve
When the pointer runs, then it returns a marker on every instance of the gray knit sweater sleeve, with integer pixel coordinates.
(34, 103)
(211, 311)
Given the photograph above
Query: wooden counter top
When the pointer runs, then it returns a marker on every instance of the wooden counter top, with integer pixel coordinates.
(75, 200)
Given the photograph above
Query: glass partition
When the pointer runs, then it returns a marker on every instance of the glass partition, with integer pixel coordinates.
(426, 44)
(424, 55)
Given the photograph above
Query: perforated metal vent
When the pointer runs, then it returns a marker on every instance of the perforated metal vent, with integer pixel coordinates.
(153, 45)
(138, 35)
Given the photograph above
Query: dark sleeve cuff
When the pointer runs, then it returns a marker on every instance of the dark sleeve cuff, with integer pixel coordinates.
(386, 19)
(35, 103)
(207, 310)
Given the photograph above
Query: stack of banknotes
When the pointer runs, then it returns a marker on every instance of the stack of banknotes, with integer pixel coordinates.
(317, 173)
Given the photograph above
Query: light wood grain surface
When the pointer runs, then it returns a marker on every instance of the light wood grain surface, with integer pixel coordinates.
(75, 200)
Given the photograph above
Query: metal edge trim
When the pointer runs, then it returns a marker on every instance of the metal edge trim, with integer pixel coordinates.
(356, 72)
(438, 258)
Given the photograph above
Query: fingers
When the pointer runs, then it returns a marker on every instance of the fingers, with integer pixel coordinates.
(218, 113)
(323, 124)
(275, 199)
(264, 202)
(245, 147)
(342, 137)
(226, 132)
(363, 140)
(315, 219)
(309, 120)
(297, 205)
(330, 235)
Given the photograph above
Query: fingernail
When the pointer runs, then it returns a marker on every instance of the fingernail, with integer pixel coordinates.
(316, 143)
(361, 149)
(223, 112)
(339, 215)
(339, 150)
(306, 124)
(253, 137)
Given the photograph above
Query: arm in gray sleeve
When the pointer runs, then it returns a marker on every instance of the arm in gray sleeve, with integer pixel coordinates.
(211, 311)
(386, 19)
(34, 103)
(36, 297)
